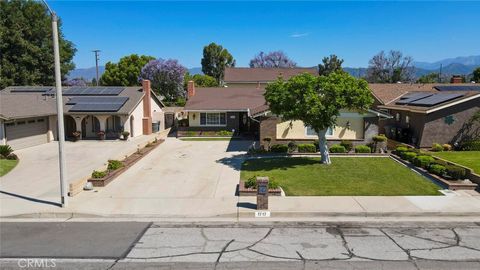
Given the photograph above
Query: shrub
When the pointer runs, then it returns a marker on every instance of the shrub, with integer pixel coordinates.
(437, 147)
(400, 149)
(437, 169)
(347, 144)
(279, 148)
(5, 150)
(439, 162)
(447, 147)
(12, 156)
(292, 146)
(379, 138)
(423, 161)
(99, 174)
(456, 172)
(114, 165)
(125, 134)
(191, 133)
(317, 145)
(470, 145)
(224, 133)
(272, 184)
(307, 148)
(362, 149)
(409, 156)
(337, 148)
(251, 182)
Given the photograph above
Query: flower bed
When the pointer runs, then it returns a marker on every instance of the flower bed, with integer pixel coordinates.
(244, 191)
(449, 174)
(117, 169)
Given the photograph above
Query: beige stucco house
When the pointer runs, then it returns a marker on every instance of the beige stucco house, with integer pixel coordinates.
(240, 106)
(28, 113)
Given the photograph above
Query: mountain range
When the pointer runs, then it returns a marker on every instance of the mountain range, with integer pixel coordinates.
(462, 65)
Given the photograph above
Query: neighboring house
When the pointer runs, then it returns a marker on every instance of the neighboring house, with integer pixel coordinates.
(424, 114)
(259, 77)
(241, 107)
(28, 113)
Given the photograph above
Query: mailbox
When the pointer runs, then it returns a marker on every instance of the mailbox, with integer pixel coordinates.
(262, 193)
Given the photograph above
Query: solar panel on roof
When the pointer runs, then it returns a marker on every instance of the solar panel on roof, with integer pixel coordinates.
(30, 89)
(458, 87)
(97, 100)
(97, 107)
(412, 97)
(93, 91)
(435, 99)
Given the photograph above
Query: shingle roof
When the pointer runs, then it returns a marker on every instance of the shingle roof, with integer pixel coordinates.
(388, 92)
(467, 95)
(22, 105)
(226, 98)
(254, 75)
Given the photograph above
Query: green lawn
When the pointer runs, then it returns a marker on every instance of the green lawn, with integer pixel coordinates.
(7, 165)
(207, 139)
(470, 159)
(345, 176)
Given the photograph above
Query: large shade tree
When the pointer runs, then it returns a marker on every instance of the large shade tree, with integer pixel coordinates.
(476, 75)
(276, 59)
(26, 46)
(317, 101)
(126, 71)
(166, 76)
(391, 67)
(215, 60)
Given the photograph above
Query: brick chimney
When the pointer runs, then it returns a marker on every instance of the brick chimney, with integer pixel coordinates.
(456, 79)
(147, 108)
(190, 89)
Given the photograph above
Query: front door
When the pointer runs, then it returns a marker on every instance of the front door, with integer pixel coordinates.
(244, 125)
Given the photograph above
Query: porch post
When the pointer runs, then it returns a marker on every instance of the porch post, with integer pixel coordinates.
(102, 119)
(78, 124)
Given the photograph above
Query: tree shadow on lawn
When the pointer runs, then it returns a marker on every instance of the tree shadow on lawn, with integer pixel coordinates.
(267, 163)
(278, 163)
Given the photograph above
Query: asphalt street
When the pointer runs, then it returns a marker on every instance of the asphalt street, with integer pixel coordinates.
(132, 245)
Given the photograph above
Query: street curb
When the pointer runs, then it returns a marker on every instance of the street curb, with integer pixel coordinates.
(298, 215)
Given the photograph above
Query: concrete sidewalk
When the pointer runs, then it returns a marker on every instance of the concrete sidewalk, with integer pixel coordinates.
(243, 208)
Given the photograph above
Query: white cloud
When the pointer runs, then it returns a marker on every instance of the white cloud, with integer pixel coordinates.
(299, 35)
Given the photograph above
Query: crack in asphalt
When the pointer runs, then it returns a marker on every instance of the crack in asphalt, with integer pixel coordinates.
(335, 231)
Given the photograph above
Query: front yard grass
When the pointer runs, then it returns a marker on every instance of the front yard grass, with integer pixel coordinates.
(346, 176)
(470, 159)
(7, 165)
(209, 139)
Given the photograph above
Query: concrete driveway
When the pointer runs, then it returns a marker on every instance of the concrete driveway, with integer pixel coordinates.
(181, 169)
(36, 176)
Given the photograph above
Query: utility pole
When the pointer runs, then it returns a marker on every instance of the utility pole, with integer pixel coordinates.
(96, 61)
(59, 97)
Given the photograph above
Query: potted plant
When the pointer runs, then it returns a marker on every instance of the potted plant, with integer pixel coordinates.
(76, 135)
(101, 135)
(125, 135)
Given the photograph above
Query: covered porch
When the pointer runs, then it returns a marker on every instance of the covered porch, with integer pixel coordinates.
(98, 127)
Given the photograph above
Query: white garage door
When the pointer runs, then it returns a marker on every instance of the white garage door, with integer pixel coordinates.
(26, 132)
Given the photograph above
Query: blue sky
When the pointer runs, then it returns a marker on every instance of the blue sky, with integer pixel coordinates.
(306, 31)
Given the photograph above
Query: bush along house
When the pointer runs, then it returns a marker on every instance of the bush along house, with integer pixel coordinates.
(28, 113)
(424, 114)
(240, 107)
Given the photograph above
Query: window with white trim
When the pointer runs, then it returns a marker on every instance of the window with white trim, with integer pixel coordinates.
(309, 131)
(213, 119)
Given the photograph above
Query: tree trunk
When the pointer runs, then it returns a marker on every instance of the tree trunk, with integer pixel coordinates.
(322, 144)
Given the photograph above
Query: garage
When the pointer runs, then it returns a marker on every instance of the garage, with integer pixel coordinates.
(27, 132)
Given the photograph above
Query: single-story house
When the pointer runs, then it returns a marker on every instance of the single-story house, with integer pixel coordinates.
(28, 113)
(424, 114)
(241, 107)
